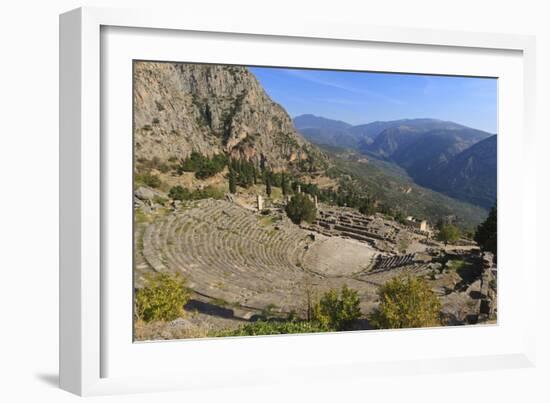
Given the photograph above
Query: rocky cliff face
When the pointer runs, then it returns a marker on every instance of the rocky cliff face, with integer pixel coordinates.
(212, 109)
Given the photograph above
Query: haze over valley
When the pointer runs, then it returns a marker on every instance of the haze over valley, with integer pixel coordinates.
(444, 156)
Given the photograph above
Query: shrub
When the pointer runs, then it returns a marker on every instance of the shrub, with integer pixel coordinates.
(162, 298)
(160, 200)
(448, 233)
(406, 302)
(154, 163)
(337, 311)
(204, 167)
(301, 208)
(179, 193)
(209, 192)
(148, 179)
(273, 327)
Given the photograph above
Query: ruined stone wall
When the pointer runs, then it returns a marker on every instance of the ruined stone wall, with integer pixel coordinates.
(488, 295)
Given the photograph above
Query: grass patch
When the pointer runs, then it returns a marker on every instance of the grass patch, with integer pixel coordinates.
(457, 264)
(266, 221)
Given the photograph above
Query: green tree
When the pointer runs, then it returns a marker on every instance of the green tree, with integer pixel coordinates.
(406, 302)
(486, 233)
(204, 167)
(232, 181)
(268, 185)
(366, 206)
(338, 311)
(448, 233)
(179, 193)
(162, 298)
(284, 184)
(301, 208)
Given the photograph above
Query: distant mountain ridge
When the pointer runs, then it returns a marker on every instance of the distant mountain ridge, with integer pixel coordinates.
(471, 175)
(427, 149)
(326, 131)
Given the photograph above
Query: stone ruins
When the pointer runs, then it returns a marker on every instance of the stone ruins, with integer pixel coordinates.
(248, 261)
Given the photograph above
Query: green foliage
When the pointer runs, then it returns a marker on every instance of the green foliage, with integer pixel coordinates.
(232, 181)
(268, 186)
(148, 179)
(209, 192)
(400, 217)
(160, 200)
(338, 311)
(192, 163)
(245, 172)
(181, 193)
(145, 164)
(162, 298)
(204, 167)
(284, 184)
(347, 194)
(273, 327)
(486, 233)
(448, 233)
(301, 208)
(406, 302)
(309, 188)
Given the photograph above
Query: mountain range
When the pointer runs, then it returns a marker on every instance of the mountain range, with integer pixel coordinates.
(444, 156)
(180, 108)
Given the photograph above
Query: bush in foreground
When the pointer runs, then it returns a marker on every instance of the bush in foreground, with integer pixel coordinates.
(406, 302)
(162, 298)
(273, 327)
(337, 311)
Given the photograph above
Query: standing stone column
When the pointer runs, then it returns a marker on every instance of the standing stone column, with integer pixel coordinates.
(299, 189)
(260, 202)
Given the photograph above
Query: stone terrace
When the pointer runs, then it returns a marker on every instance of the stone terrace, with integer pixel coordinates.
(351, 224)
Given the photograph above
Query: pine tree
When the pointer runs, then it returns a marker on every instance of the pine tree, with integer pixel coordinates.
(268, 185)
(283, 183)
(232, 181)
(486, 233)
(301, 208)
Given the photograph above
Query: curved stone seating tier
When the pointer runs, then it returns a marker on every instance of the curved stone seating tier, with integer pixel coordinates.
(253, 261)
(226, 253)
(384, 263)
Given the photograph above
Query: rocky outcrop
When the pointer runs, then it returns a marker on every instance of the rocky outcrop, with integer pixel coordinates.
(211, 109)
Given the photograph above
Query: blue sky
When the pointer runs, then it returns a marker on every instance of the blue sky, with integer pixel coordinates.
(363, 97)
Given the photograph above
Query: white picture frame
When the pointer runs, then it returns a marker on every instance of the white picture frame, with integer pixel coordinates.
(93, 349)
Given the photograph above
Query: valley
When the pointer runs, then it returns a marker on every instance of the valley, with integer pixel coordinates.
(444, 156)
